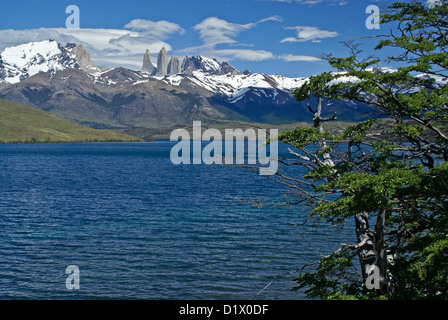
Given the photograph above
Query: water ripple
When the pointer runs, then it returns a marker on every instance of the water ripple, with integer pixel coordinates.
(139, 227)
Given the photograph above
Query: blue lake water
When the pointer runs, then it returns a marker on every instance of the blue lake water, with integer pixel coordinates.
(139, 227)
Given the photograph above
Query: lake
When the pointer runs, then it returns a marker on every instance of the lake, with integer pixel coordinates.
(139, 227)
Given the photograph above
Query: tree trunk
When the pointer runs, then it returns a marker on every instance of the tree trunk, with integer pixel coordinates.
(366, 252)
(318, 120)
(380, 251)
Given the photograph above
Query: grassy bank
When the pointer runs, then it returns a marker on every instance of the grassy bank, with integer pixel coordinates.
(25, 124)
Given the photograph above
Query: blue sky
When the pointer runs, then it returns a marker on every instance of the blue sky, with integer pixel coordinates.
(271, 36)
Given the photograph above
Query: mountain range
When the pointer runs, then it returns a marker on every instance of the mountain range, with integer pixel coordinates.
(62, 79)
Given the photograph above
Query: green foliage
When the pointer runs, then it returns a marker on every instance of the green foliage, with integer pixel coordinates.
(301, 137)
(357, 132)
(400, 169)
(326, 281)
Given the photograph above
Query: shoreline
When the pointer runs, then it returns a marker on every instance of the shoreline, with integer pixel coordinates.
(71, 142)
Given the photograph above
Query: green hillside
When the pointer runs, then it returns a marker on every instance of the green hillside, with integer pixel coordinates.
(25, 124)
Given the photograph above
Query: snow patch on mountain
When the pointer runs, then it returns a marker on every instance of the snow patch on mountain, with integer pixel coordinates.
(233, 87)
(220, 78)
(210, 65)
(23, 61)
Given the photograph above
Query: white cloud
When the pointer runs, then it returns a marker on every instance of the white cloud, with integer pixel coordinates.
(303, 1)
(294, 58)
(244, 54)
(155, 29)
(313, 2)
(125, 47)
(215, 31)
(218, 31)
(12, 37)
(106, 46)
(433, 3)
(305, 33)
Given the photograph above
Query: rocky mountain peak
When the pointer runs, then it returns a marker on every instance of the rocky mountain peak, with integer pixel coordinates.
(162, 63)
(148, 66)
(174, 67)
(206, 65)
(82, 57)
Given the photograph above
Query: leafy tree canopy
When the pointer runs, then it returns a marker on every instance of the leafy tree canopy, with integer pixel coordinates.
(388, 174)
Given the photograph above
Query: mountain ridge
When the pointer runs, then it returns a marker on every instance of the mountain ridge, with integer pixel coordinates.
(64, 81)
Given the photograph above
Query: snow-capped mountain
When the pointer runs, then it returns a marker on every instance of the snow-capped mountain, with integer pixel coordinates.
(234, 86)
(207, 66)
(62, 79)
(23, 61)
